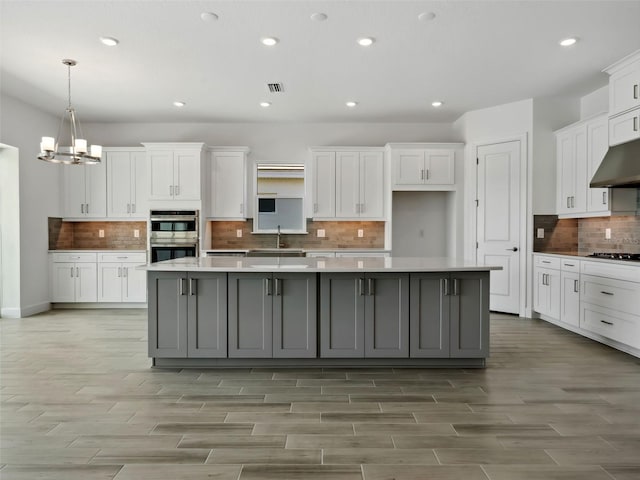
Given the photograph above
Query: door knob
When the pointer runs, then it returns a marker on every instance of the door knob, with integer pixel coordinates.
(514, 249)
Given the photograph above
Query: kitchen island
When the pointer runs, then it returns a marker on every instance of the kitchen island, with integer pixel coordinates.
(292, 312)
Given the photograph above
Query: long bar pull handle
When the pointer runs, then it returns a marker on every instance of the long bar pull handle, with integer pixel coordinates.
(128, 208)
(177, 190)
(568, 206)
(242, 208)
(445, 286)
(573, 202)
(171, 190)
(78, 272)
(125, 272)
(421, 174)
(371, 285)
(606, 293)
(606, 323)
(82, 208)
(193, 286)
(361, 286)
(278, 286)
(604, 198)
(635, 124)
(268, 289)
(427, 172)
(456, 287)
(133, 208)
(635, 91)
(181, 286)
(119, 271)
(546, 261)
(575, 286)
(86, 208)
(71, 272)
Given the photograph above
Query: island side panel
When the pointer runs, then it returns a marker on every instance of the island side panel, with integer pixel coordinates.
(470, 315)
(167, 314)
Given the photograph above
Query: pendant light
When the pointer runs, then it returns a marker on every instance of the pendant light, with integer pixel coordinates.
(76, 153)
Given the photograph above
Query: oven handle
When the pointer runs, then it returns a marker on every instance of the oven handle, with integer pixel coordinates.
(180, 218)
(153, 245)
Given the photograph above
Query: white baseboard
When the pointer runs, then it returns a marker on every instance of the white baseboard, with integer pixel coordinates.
(85, 305)
(25, 311)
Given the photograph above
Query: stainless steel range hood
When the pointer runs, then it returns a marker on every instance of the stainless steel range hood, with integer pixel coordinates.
(620, 167)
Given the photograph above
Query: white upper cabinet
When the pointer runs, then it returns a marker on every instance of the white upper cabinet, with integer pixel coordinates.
(624, 99)
(423, 166)
(323, 178)
(85, 191)
(360, 184)
(580, 150)
(174, 170)
(228, 183)
(126, 183)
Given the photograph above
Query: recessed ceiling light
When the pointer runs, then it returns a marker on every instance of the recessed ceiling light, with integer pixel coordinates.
(208, 17)
(426, 16)
(178, 104)
(319, 17)
(437, 103)
(109, 41)
(351, 104)
(567, 42)
(366, 41)
(269, 41)
(265, 104)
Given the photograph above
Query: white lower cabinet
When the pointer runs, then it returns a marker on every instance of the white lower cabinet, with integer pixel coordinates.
(118, 279)
(570, 298)
(73, 277)
(98, 277)
(546, 286)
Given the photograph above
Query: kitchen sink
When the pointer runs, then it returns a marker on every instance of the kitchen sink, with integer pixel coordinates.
(276, 252)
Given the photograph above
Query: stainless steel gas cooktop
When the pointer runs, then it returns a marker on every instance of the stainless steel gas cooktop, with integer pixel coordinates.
(634, 257)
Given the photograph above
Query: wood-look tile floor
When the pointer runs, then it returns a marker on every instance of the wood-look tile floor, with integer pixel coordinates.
(80, 401)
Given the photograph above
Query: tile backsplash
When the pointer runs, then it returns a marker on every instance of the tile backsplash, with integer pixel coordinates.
(337, 235)
(80, 235)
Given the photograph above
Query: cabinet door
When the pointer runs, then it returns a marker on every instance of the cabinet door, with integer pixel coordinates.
(597, 146)
(408, 167)
(540, 291)
(439, 167)
(324, 184)
(74, 190)
(294, 315)
(139, 186)
(250, 315)
(553, 281)
(134, 283)
(469, 317)
(579, 200)
(86, 282)
(228, 185)
(566, 171)
(186, 175)
(160, 174)
(342, 315)
(167, 314)
(371, 185)
(429, 315)
(624, 87)
(96, 190)
(207, 315)
(110, 282)
(624, 128)
(386, 324)
(63, 282)
(570, 298)
(119, 184)
(348, 184)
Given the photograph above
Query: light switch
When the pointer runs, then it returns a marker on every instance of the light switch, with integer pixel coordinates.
(321, 233)
(136, 233)
(607, 233)
(540, 233)
(239, 232)
(360, 232)
(101, 233)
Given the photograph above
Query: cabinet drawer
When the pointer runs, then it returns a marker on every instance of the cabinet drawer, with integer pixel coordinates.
(83, 257)
(570, 265)
(624, 128)
(610, 293)
(617, 326)
(137, 257)
(546, 262)
(611, 270)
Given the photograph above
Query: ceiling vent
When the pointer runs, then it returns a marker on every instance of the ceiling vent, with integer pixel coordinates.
(275, 87)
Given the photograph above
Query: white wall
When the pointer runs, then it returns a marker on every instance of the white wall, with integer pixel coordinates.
(22, 126)
(594, 103)
(9, 232)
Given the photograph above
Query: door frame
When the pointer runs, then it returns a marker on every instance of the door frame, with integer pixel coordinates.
(526, 197)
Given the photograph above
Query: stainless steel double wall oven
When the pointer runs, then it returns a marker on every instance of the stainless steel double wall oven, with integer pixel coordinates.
(173, 234)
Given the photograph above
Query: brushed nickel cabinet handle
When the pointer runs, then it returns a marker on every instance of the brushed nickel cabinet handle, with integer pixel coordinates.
(427, 172)
(193, 286)
(128, 208)
(78, 272)
(421, 174)
(278, 286)
(361, 286)
(445, 286)
(635, 92)
(267, 287)
(177, 190)
(635, 124)
(125, 272)
(133, 208)
(575, 286)
(372, 286)
(71, 272)
(606, 293)
(82, 208)
(181, 286)
(568, 206)
(606, 323)
(604, 198)
(171, 190)
(456, 287)
(545, 261)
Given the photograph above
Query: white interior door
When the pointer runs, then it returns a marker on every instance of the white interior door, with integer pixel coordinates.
(498, 221)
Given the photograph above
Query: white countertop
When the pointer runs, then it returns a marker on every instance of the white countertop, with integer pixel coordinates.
(631, 263)
(306, 264)
(96, 250)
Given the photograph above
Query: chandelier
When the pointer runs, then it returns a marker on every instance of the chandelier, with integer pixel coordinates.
(76, 153)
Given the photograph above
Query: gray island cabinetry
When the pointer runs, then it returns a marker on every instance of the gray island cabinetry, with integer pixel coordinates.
(225, 311)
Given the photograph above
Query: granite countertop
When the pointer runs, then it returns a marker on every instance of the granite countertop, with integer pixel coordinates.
(99, 250)
(585, 256)
(306, 264)
(336, 249)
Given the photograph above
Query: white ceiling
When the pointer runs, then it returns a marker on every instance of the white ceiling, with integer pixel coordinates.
(474, 54)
